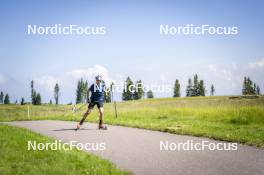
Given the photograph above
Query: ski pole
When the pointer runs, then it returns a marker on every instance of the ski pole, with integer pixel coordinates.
(80, 107)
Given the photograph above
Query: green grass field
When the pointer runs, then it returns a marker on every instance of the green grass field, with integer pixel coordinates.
(238, 119)
(17, 159)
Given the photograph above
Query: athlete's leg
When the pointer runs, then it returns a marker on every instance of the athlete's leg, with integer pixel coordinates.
(101, 116)
(88, 111)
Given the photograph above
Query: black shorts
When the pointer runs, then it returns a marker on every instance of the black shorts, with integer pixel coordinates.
(98, 103)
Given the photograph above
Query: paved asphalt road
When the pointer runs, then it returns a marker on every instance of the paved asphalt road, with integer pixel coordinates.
(138, 150)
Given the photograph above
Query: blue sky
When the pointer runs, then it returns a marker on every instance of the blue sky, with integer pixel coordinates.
(132, 46)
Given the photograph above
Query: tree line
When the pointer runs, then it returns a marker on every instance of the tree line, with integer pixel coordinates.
(195, 87)
(4, 98)
(132, 91)
(249, 87)
(35, 96)
(82, 92)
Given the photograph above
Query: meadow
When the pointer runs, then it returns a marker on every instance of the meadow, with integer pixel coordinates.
(222, 118)
(17, 159)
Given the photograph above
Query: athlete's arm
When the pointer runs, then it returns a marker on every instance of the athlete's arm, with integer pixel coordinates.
(88, 96)
(89, 93)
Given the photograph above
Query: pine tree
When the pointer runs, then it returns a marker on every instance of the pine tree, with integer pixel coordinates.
(249, 87)
(258, 90)
(84, 91)
(107, 94)
(212, 91)
(177, 89)
(128, 90)
(244, 89)
(87, 94)
(6, 99)
(33, 93)
(189, 89)
(195, 86)
(22, 102)
(56, 93)
(112, 91)
(201, 88)
(35, 97)
(150, 94)
(38, 99)
(78, 93)
(139, 91)
(1, 97)
(254, 88)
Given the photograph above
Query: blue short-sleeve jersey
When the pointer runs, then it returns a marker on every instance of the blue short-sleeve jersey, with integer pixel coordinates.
(97, 91)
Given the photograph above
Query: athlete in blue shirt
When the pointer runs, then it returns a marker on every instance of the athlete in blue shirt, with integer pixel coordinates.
(97, 98)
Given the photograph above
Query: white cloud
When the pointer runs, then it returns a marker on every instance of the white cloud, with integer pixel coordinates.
(234, 65)
(212, 67)
(46, 81)
(226, 78)
(227, 74)
(221, 72)
(256, 64)
(2, 79)
(91, 72)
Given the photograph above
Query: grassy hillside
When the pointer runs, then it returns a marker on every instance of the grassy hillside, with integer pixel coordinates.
(236, 119)
(17, 159)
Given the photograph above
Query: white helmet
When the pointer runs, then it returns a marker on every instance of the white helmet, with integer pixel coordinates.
(99, 77)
